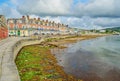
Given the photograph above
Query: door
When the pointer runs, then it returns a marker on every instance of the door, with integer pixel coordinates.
(18, 32)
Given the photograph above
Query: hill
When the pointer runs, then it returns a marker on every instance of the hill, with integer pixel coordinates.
(116, 29)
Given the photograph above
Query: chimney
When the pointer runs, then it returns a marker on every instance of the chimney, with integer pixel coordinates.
(28, 17)
(46, 20)
(23, 17)
(39, 19)
(34, 18)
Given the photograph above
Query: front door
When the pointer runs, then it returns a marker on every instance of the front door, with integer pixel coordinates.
(18, 32)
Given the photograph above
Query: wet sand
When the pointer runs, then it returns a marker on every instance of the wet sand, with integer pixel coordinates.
(72, 39)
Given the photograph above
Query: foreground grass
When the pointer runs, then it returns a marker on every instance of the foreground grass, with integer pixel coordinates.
(36, 63)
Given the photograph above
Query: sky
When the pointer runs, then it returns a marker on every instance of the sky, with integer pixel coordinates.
(83, 14)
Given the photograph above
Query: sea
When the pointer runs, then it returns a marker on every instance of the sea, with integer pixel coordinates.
(95, 59)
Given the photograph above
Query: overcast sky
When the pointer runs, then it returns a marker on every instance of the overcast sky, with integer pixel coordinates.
(85, 14)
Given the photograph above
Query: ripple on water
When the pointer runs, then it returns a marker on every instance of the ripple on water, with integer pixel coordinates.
(93, 60)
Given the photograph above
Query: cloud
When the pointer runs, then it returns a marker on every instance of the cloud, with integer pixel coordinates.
(45, 7)
(86, 14)
(8, 11)
(5, 10)
(98, 8)
(107, 22)
(56, 19)
(93, 8)
(86, 22)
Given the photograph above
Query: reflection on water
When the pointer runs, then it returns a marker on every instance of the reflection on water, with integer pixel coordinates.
(92, 60)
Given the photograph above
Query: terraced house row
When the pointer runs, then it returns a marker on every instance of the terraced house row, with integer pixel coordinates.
(3, 27)
(27, 26)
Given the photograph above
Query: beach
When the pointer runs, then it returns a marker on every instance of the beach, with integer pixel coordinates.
(37, 63)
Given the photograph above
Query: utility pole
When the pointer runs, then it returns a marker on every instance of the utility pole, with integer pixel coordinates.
(15, 27)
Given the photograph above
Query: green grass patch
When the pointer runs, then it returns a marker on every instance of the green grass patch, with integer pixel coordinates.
(36, 63)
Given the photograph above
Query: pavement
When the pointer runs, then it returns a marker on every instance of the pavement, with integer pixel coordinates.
(6, 59)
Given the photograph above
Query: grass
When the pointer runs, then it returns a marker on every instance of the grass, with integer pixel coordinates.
(36, 63)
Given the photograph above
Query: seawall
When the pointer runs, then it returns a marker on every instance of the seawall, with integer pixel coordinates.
(9, 70)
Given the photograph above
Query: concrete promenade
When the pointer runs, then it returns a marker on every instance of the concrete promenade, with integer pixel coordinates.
(8, 51)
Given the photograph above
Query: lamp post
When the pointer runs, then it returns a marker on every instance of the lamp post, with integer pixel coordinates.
(15, 26)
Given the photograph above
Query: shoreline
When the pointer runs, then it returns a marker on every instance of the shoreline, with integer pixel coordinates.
(36, 62)
(72, 39)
